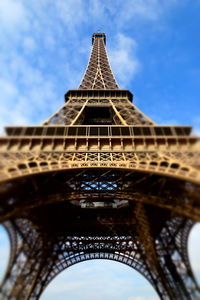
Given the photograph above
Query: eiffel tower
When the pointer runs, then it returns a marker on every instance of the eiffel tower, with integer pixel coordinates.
(99, 180)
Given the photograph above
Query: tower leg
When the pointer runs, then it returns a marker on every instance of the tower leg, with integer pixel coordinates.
(167, 257)
(174, 262)
(30, 258)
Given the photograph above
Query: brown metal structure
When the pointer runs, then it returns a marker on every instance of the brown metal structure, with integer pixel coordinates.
(99, 179)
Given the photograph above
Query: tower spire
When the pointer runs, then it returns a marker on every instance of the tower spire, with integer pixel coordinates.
(98, 74)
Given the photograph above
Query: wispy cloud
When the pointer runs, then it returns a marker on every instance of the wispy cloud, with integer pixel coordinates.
(99, 279)
(13, 15)
(4, 250)
(196, 125)
(194, 242)
(123, 58)
(143, 298)
(123, 15)
(43, 49)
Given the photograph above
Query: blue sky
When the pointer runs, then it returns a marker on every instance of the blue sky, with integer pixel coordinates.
(154, 50)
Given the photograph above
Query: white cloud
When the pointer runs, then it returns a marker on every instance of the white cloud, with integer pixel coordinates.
(194, 249)
(71, 12)
(12, 14)
(131, 11)
(4, 251)
(196, 125)
(27, 94)
(124, 61)
(143, 298)
(99, 279)
(42, 43)
(145, 9)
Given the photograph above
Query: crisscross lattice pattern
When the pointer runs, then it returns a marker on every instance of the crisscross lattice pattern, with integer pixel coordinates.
(98, 74)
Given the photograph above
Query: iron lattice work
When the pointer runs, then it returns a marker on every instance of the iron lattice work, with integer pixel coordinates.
(98, 74)
(99, 179)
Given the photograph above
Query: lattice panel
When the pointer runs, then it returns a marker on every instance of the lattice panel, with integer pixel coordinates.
(21, 164)
(67, 114)
(190, 158)
(124, 112)
(98, 74)
(131, 114)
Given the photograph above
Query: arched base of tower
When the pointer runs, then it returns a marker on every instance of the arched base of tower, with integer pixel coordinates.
(37, 259)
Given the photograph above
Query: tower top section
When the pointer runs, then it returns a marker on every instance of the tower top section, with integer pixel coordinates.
(98, 75)
(99, 35)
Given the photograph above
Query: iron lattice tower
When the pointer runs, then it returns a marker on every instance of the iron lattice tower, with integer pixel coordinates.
(99, 179)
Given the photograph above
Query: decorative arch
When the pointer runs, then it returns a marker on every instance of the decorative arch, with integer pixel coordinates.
(97, 277)
(135, 263)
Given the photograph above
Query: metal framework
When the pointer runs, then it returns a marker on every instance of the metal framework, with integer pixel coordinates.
(99, 179)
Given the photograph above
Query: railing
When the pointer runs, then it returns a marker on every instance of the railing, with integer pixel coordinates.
(99, 131)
